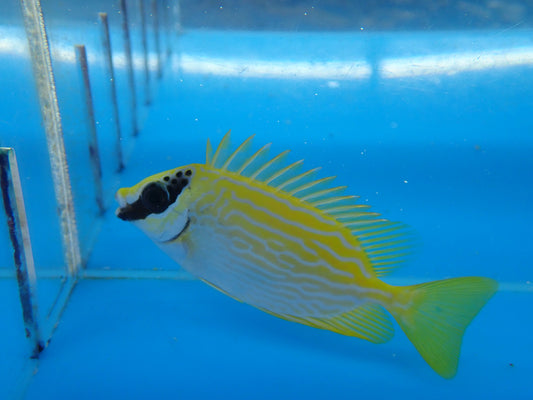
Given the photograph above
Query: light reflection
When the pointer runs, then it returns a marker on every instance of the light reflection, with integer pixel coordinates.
(454, 63)
(330, 70)
(13, 44)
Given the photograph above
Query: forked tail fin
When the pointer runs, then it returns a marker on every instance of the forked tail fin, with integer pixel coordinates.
(437, 315)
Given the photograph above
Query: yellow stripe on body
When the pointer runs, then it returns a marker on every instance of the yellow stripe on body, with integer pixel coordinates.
(283, 250)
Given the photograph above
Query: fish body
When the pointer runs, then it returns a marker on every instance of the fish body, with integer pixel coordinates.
(267, 234)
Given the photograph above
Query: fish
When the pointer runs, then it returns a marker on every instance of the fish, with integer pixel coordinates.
(270, 234)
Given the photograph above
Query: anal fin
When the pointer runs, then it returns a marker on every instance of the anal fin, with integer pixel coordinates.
(221, 290)
(370, 322)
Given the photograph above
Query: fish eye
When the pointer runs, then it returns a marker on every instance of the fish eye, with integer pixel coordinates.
(154, 198)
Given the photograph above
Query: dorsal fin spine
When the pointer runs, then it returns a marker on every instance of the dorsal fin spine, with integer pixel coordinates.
(310, 185)
(252, 158)
(321, 193)
(346, 209)
(332, 200)
(298, 178)
(208, 153)
(224, 143)
(377, 239)
(378, 233)
(391, 244)
(243, 147)
(283, 171)
(363, 223)
(376, 227)
(357, 215)
(265, 166)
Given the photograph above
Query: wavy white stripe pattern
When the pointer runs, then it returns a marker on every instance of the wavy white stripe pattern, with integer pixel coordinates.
(266, 251)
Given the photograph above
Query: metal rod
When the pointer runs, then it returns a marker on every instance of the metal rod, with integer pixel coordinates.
(46, 88)
(174, 29)
(19, 234)
(94, 153)
(177, 13)
(166, 23)
(129, 64)
(111, 75)
(147, 99)
(157, 39)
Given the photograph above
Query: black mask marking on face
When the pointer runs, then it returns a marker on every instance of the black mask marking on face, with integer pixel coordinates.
(155, 198)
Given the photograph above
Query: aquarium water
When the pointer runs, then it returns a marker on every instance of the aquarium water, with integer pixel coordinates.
(422, 109)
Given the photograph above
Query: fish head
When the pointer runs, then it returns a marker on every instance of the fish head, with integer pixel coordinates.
(159, 204)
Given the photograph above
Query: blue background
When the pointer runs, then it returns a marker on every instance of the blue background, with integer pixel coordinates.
(448, 153)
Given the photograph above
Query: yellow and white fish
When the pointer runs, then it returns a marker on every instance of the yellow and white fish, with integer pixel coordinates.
(277, 238)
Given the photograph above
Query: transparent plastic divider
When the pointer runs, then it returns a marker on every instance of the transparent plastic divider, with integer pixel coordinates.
(51, 116)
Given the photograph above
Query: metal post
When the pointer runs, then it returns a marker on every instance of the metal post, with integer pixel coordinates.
(129, 64)
(155, 16)
(147, 99)
(166, 24)
(94, 153)
(177, 16)
(22, 252)
(175, 29)
(113, 88)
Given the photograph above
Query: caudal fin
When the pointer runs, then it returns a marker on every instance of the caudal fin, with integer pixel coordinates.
(437, 315)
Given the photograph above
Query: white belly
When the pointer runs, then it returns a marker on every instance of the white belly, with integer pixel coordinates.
(212, 253)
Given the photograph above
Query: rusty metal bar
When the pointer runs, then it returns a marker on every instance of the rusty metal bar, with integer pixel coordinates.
(19, 234)
(157, 41)
(147, 98)
(94, 152)
(129, 66)
(106, 41)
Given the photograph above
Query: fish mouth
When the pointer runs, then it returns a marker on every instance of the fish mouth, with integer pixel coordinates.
(122, 212)
(125, 214)
(132, 212)
(176, 236)
(120, 197)
(125, 209)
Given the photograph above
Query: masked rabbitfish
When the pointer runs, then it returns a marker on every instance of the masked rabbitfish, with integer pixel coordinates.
(271, 235)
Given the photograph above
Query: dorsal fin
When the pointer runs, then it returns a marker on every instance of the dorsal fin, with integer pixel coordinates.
(385, 243)
(208, 153)
(220, 157)
(284, 171)
(254, 158)
(241, 149)
(276, 160)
